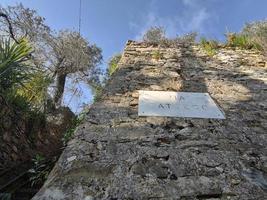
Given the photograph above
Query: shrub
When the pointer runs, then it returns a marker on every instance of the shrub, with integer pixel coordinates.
(113, 63)
(209, 46)
(17, 102)
(189, 38)
(14, 72)
(97, 93)
(257, 32)
(186, 39)
(157, 55)
(242, 41)
(35, 90)
(41, 169)
(75, 123)
(23, 85)
(154, 35)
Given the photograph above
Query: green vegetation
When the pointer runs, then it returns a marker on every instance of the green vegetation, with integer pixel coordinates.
(75, 123)
(154, 35)
(15, 72)
(252, 36)
(35, 90)
(189, 38)
(210, 46)
(241, 41)
(41, 169)
(34, 59)
(14, 66)
(98, 90)
(34, 65)
(55, 55)
(257, 32)
(157, 55)
(22, 85)
(113, 63)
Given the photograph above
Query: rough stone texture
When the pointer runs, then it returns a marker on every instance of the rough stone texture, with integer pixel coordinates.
(118, 155)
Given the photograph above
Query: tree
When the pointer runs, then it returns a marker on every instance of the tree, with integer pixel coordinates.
(59, 55)
(154, 34)
(72, 55)
(17, 22)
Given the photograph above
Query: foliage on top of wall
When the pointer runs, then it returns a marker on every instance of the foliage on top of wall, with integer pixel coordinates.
(113, 63)
(252, 36)
(241, 41)
(257, 32)
(157, 55)
(210, 46)
(156, 35)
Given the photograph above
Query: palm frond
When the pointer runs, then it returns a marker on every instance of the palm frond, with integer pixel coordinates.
(14, 65)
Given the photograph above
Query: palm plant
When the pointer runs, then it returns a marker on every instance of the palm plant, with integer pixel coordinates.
(14, 63)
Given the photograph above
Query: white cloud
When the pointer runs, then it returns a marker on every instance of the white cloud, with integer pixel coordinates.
(193, 18)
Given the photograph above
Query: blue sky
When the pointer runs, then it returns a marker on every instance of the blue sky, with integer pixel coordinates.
(110, 23)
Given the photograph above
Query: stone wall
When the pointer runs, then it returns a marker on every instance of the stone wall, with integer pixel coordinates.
(117, 155)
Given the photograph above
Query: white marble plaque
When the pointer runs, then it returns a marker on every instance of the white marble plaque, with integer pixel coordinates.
(178, 104)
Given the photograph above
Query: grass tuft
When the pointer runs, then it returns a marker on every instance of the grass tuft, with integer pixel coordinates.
(210, 46)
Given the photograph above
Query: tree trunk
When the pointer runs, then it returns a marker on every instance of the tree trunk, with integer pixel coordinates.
(60, 85)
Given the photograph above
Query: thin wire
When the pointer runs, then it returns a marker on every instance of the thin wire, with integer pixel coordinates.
(74, 93)
(80, 18)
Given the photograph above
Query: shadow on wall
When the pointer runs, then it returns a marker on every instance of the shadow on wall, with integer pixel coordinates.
(243, 99)
(199, 156)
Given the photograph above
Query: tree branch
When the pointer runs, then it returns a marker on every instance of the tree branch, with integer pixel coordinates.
(11, 32)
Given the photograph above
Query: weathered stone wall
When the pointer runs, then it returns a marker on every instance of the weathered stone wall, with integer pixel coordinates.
(117, 155)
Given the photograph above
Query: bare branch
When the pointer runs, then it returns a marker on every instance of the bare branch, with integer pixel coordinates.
(9, 26)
